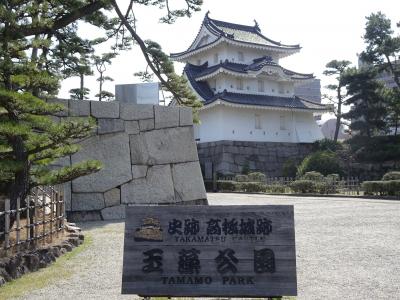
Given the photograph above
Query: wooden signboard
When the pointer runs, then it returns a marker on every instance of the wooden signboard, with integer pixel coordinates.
(214, 251)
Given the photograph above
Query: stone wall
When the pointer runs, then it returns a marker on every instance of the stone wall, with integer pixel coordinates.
(229, 157)
(148, 153)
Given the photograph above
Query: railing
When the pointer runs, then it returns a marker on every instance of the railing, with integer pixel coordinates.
(37, 219)
(345, 185)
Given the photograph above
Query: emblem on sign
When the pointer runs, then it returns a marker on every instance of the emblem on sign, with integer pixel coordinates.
(149, 231)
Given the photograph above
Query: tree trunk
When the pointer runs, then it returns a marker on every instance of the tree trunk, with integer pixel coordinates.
(101, 86)
(81, 87)
(339, 114)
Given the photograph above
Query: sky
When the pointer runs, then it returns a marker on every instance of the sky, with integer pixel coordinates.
(325, 30)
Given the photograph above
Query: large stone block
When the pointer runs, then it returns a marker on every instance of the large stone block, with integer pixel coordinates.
(185, 116)
(131, 127)
(188, 182)
(79, 108)
(83, 216)
(146, 125)
(133, 112)
(163, 146)
(113, 213)
(110, 126)
(108, 110)
(87, 201)
(166, 116)
(139, 171)
(113, 151)
(157, 187)
(112, 197)
(139, 152)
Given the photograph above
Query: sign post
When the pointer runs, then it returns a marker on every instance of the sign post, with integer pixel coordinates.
(210, 251)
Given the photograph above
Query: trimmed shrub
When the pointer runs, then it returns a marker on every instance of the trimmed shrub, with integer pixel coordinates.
(393, 175)
(372, 187)
(324, 187)
(226, 185)
(256, 177)
(252, 187)
(383, 188)
(241, 178)
(332, 177)
(303, 186)
(276, 188)
(393, 187)
(324, 162)
(313, 175)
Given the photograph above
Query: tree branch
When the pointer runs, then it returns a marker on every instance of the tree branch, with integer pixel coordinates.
(143, 48)
(29, 30)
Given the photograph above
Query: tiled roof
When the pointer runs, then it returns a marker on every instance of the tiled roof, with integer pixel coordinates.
(257, 65)
(267, 100)
(238, 34)
(203, 89)
(242, 33)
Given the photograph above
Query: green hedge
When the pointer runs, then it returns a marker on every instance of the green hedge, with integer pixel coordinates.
(383, 188)
(256, 177)
(393, 175)
(303, 186)
(276, 188)
(324, 187)
(252, 187)
(241, 178)
(231, 186)
(227, 185)
(313, 175)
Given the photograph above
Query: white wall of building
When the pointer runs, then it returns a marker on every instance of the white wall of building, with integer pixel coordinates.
(231, 53)
(211, 127)
(259, 125)
(251, 85)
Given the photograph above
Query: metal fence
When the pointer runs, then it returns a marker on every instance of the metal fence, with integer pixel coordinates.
(37, 219)
(345, 185)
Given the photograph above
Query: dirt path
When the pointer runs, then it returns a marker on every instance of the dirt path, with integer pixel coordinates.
(346, 249)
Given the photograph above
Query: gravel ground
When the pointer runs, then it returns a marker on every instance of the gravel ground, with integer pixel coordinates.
(346, 249)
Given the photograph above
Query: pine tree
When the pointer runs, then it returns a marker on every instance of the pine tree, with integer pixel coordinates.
(382, 54)
(337, 68)
(39, 46)
(369, 108)
(101, 63)
(33, 59)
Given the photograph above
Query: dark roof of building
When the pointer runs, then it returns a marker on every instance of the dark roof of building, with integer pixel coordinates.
(236, 32)
(204, 90)
(257, 65)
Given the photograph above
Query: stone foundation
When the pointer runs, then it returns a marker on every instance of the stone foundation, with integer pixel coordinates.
(14, 266)
(148, 153)
(229, 157)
